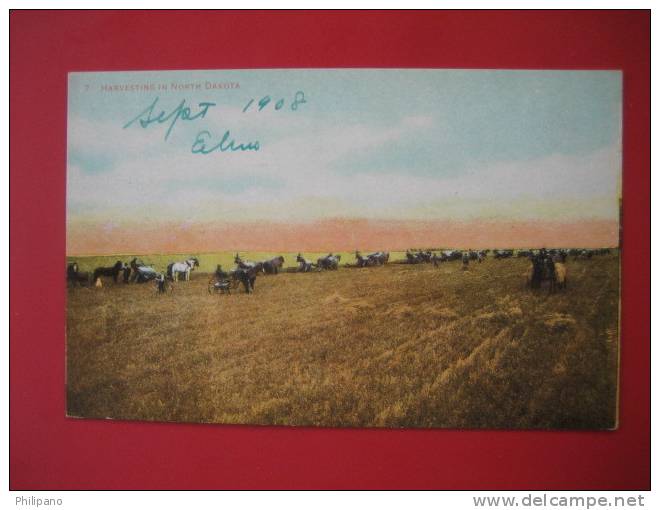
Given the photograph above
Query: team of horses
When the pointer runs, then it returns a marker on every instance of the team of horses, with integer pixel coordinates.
(546, 267)
(378, 258)
(136, 271)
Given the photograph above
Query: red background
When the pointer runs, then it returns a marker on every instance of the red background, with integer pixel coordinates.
(48, 451)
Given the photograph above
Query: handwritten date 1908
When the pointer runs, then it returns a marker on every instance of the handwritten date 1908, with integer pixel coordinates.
(298, 99)
(204, 142)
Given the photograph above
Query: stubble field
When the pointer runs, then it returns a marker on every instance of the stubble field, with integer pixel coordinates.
(394, 346)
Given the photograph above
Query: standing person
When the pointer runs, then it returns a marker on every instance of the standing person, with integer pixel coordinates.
(220, 275)
(160, 283)
(466, 260)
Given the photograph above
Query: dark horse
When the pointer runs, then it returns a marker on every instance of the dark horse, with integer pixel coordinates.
(273, 265)
(113, 271)
(246, 272)
(542, 269)
(362, 261)
(330, 261)
(379, 258)
(246, 276)
(75, 277)
(414, 258)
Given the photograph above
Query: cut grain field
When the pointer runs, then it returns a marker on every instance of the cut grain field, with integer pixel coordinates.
(393, 346)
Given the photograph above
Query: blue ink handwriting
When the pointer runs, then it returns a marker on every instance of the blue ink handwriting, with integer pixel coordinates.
(182, 112)
(226, 144)
(204, 142)
(298, 99)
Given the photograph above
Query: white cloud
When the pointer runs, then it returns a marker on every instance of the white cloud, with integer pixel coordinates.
(163, 180)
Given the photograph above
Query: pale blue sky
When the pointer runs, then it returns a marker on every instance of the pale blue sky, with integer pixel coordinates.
(421, 143)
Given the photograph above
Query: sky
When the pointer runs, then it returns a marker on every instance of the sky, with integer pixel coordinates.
(457, 146)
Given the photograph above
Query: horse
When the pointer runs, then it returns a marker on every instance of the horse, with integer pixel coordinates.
(380, 258)
(436, 259)
(185, 267)
(75, 277)
(246, 272)
(362, 261)
(330, 261)
(109, 271)
(273, 265)
(453, 254)
(246, 276)
(544, 268)
(304, 265)
(246, 264)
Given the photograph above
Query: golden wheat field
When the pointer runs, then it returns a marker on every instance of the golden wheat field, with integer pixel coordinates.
(394, 346)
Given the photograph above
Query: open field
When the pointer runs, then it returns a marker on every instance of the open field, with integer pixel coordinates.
(400, 346)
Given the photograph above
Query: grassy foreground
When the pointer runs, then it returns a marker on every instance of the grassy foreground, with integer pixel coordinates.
(396, 346)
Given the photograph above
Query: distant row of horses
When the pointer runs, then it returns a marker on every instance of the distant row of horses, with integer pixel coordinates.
(546, 266)
(331, 261)
(419, 256)
(428, 256)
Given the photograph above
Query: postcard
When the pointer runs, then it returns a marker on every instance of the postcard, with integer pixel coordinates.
(427, 248)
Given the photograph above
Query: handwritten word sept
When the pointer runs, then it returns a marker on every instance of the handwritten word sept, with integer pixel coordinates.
(182, 112)
(202, 143)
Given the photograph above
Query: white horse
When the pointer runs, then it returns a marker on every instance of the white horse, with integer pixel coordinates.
(183, 267)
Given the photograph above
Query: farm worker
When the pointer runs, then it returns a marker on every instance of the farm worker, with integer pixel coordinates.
(220, 274)
(160, 283)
